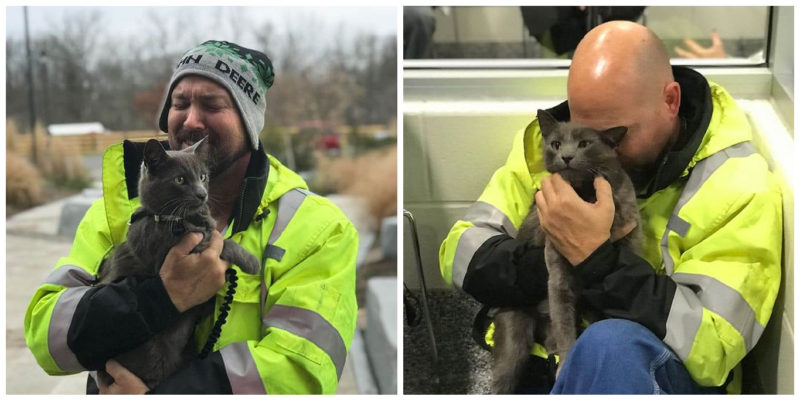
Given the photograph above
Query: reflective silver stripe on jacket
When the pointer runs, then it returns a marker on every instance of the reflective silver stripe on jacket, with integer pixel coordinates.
(77, 281)
(287, 207)
(69, 276)
(488, 221)
(241, 369)
(695, 292)
(312, 327)
(699, 175)
(726, 302)
(288, 204)
(683, 322)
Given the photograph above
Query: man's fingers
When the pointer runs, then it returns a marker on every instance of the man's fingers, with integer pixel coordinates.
(541, 203)
(216, 243)
(547, 189)
(125, 382)
(683, 53)
(715, 39)
(113, 368)
(603, 190)
(694, 46)
(188, 242)
(117, 371)
(558, 182)
(562, 188)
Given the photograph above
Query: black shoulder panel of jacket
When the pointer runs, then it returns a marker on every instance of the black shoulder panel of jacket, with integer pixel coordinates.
(115, 318)
(620, 284)
(255, 181)
(205, 376)
(505, 272)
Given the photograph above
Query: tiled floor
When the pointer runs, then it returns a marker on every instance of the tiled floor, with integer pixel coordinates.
(463, 366)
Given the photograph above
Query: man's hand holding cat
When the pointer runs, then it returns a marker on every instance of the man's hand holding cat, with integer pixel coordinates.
(192, 278)
(577, 228)
(125, 382)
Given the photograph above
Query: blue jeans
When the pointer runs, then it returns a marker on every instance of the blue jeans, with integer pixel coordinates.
(617, 356)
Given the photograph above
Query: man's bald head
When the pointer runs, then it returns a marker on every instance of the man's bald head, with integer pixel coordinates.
(621, 75)
(619, 56)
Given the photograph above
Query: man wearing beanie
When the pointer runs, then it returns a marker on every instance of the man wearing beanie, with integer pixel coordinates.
(288, 329)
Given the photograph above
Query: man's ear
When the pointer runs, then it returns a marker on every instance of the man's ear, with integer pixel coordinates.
(547, 123)
(613, 136)
(672, 98)
(154, 155)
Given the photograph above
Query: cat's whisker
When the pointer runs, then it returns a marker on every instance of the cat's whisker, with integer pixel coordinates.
(170, 203)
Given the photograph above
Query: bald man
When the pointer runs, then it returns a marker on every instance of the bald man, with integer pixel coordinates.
(682, 312)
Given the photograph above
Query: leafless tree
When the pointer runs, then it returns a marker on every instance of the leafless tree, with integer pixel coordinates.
(85, 71)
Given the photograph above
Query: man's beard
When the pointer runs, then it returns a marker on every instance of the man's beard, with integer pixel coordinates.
(218, 164)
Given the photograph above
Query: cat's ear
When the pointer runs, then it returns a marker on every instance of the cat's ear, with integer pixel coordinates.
(613, 136)
(201, 148)
(547, 123)
(154, 154)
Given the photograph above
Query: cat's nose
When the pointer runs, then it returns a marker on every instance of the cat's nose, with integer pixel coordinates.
(567, 159)
(201, 195)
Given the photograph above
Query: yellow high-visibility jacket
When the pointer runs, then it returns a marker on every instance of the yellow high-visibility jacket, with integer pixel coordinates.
(290, 334)
(709, 272)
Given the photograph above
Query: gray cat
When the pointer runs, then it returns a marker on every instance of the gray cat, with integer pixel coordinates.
(173, 188)
(578, 154)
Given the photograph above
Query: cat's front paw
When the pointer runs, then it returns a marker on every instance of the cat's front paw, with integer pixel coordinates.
(250, 265)
(236, 254)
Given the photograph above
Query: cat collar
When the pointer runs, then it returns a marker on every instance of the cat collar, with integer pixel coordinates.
(176, 229)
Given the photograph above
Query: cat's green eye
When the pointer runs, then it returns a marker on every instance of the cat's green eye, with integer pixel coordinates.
(555, 144)
(179, 180)
(203, 177)
(583, 143)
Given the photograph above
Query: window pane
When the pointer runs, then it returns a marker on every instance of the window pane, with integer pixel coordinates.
(552, 33)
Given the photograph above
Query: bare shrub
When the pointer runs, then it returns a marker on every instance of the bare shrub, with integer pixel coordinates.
(63, 169)
(372, 176)
(12, 134)
(23, 182)
(60, 167)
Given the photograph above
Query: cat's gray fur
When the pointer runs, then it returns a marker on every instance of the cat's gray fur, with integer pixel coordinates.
(148, 243)
(553, 322)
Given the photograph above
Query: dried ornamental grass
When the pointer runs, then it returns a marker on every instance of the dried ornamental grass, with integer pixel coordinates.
(372, 176)
(23, 182)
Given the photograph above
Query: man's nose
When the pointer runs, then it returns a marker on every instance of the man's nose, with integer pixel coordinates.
(194, 118)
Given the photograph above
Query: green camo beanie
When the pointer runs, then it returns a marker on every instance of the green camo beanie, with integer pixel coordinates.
(245, 73)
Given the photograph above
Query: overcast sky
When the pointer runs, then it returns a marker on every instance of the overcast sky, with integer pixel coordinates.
(126, 20)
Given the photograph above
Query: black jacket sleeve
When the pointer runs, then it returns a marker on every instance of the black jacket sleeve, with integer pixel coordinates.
(115, 318)
(505, 272)
(205, 376)
(620, 284)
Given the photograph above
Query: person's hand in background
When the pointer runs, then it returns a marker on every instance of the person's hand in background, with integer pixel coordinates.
(716, 50)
